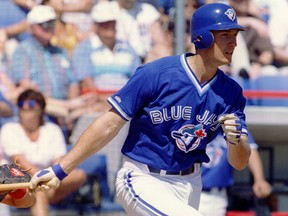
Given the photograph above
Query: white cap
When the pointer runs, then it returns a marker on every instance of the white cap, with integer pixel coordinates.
(41, 14)
(104, 12)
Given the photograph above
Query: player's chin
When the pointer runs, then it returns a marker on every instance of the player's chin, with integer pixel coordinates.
(228, 57)
(225, 61)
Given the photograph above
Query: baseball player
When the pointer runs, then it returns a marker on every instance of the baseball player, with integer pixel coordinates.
(175, 105)
(214, 197)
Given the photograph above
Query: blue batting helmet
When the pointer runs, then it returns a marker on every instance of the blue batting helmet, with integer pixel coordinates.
(214, 16)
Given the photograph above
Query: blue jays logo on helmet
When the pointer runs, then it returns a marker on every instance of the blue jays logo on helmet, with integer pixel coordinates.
(214, 16)
(231, 14)
(189, 137)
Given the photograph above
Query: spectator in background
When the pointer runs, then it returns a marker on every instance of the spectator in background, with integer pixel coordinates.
(190, 7)
(37, 64)
(102, 62)
(278, 31)
(6, 109)
(62, 6)
(166, 9)
(35, 144)
(13, 29)
(50, 71)
(75, 23)
(139, 24)
(20, 198)
(260, 49)
(214, 196)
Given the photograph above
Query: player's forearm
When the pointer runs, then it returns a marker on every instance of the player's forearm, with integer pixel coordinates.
(94, 138)
(238, 155)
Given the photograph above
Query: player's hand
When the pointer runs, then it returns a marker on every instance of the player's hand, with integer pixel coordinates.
(232, 127)
(48, 178)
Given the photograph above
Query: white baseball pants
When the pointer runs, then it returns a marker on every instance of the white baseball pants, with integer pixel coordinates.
(142, 193)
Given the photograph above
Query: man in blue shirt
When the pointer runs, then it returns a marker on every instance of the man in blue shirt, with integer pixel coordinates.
(102, 63)
(176, 105)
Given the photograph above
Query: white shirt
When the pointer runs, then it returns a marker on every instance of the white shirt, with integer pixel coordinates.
(49, 146)
(278, 27)
(134, 26)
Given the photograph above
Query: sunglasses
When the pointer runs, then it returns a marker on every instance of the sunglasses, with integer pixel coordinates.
(31, 103)
(48, 25)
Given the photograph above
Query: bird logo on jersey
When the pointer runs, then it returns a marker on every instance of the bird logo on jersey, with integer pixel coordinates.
(188, 137)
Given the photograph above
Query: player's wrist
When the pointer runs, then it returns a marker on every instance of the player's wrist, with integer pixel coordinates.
(233, 141)
(59, 172)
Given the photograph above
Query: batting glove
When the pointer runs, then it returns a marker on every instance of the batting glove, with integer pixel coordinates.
(48, 178)
(232, 127)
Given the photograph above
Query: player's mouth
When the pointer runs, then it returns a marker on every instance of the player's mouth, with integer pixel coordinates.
(229, 53)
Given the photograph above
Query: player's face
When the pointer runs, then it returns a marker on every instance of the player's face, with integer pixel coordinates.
(224, 45)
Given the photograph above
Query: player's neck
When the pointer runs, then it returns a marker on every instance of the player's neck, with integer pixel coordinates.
(202, 70)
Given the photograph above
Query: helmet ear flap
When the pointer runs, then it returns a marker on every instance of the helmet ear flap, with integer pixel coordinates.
(203, 39)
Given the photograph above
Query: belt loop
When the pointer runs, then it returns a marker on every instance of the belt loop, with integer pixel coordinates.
(163, 172)
(197, 166)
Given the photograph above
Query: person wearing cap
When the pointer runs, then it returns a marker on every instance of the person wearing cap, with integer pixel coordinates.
(75, 22)
(175, 105)
(139, 24)
(102, 63)
(38, 64)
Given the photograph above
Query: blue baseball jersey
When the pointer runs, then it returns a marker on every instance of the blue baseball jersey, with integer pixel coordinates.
(172, 115)
(218, 172)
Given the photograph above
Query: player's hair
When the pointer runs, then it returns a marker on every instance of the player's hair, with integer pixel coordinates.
(214, 16)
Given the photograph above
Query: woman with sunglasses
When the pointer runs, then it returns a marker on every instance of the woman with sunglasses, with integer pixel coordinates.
(34, 143)
(21, 198)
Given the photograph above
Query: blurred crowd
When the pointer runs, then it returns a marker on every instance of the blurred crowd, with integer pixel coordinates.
(78, 52)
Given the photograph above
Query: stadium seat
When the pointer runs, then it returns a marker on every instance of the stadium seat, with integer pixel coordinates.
(277, 84)
(244, 83)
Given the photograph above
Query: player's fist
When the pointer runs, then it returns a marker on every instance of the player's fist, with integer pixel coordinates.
(48, 178)
(232, 127)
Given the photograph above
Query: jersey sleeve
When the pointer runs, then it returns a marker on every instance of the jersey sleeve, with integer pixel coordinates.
(133, 96)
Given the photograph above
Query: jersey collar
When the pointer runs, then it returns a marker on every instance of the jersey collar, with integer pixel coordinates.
(201, 88)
